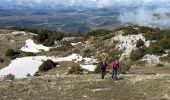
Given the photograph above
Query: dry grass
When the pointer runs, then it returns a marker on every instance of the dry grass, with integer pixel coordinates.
(86, 87)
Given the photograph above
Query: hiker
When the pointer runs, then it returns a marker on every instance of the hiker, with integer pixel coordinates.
(115, 65)
(103, 66)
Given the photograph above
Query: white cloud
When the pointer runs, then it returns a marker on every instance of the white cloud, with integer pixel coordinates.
(158, 17)
(90, 3)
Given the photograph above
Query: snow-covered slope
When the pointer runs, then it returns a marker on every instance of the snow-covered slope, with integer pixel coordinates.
(20, 67)
(30, 46)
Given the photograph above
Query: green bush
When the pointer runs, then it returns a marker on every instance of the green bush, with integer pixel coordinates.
(130, 30)
(138, 54)
(164, 43)
(145, 29)
(47, 65)
(10, 53)
(48, 37)
(140, 43)
(76, 70)
(97, 69)
(98, 32)
(48, 42)
(165, 59)
(42, 37)
(156, 49)
(124, 67)
(87, 53)
(153, 35)
(114, 55)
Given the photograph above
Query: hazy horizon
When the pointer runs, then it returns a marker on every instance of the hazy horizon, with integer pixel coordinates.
(141, 12)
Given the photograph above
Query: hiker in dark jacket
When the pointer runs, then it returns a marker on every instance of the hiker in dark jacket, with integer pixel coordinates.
(115, 65)
(103, 66)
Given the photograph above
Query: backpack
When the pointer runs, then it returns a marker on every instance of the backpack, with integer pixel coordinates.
(115, 65)
(103, 66)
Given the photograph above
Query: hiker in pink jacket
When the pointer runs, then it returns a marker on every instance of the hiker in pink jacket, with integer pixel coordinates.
(115, 65)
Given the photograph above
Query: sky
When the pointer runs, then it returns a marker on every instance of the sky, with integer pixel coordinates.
(85, 3)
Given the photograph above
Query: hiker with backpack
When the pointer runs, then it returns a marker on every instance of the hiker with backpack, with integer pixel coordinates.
(103, 66)
(115, 66)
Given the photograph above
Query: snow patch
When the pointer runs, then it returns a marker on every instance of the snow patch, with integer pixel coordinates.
(74, 44)
(16, 33)
(88, 67)
(89, 64)
(152, 59)
(128, 43)
(32, 47)
(20, 67)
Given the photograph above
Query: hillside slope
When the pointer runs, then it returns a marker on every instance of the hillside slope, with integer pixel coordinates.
(143, 53)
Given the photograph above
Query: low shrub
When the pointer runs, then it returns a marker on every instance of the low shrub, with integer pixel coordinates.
(124, 67)
(144, 29)
(98, 32)
(113, 55)
(48, 42)
(140, 43)
(42, 36)
(30, 54)
(47, 37)
(47, 65)
(130, 30)
(76, 70)
(11, 53)
(164, 43)
(159, 65)
(1, 60)
(156, 49)
(153, 36)
(36, 74)
(97, 69)
(138, 54)
(165, 59)
(87, 53)
(9, 77)
(109, 36)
